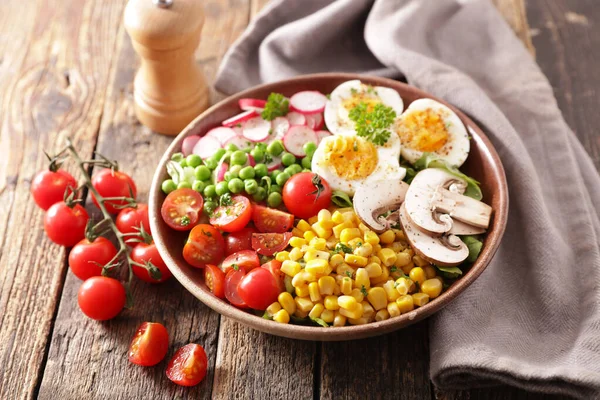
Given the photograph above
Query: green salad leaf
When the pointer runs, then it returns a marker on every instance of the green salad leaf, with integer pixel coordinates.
(319, 321)
(474, 245)
(341, 199)
(431, 160)
(449, 272)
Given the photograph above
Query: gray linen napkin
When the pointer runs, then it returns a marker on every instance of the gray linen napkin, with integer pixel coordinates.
(532, 319)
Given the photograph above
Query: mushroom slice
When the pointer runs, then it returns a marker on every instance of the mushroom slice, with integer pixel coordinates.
(445, 251)
(374, 198)
(461, 229)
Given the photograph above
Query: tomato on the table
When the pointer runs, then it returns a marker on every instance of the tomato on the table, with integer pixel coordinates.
(274, 267)
(248, 259)
(101, 298)
(182, 208)
(149, 345)
(240, 240)
(65, 225)
(86, 259)
(205, 245)
(259, 288)
(232, 217)
(305, 194)
(144, 253)
(214, 279)
(131, 219)
(271, 220)
(232, 280)
(268, 244)
(188, 365)
(111, 183)
(48, 187)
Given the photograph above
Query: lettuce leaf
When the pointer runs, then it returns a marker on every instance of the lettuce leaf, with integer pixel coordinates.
(341, 199)
(474, 245)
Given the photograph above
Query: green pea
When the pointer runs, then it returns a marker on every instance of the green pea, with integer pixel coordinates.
(247, 150)
(260, 195)
(282, 178)
(183, 163)
(228, 176)
(258, 154)
(225, 157)
(202, 172)
(247, 173)
(168, 186)
(210, 191)
(261, 146)
(274, 199)
(295, 168)
(177, 157)
(275, 188)
(218, 154)
(235, 170)
(236, 185)
(275, 148)
(238, 158)
(309, 148)
(184, 185)
(306, 162)
(232, 147)
(275, 173)
(288, 159)
(209, 207)
(193, 160)
(199, 186)
(261, 170)
(250, 186)
(289, 170)
(211, 163)
(222, 188)
(306, 170)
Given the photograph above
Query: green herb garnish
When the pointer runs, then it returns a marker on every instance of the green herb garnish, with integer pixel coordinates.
(226, 200)
(185, 220)
(342, 248)
(277, 106)
(363, 290)
(373, 125)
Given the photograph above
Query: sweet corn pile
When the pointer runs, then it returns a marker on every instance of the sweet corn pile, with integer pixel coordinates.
(339, 271)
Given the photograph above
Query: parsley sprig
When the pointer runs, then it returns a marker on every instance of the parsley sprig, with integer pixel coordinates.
(277, 106)
(373, 125)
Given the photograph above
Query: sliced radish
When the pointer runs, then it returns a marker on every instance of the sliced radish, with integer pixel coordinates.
(296, 118)
(256, 129)
(206, 147)
(321, 135)
(279, 126)
(221, 169)
(308, 102)
(296, 137)
(240, 141)
(222, 134)
(238, 119)
(252, 104)
(187, 146)
(251, 160)
(274, 164)
(237, 129)
(314, 121)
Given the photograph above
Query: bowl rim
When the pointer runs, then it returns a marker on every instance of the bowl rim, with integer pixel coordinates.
(303, 332)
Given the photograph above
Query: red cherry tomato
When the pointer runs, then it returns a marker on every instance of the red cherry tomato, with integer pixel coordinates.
(233, 217)
(182, 208)
(65, 225)
(259, 289)
(268, 244)
(271, 220)
(101, 298)
(111, 183)
(149, 345)
(48, 187)
(248, 259)
(131, 219)
(214, 279)
(86, 259)
(305, 194)
(143, 253)
(205, 245)
(240, 240)
(232, 280)
(274, 267)
(188, 366)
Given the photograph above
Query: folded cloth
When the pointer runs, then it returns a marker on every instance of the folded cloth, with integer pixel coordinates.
(532, 319)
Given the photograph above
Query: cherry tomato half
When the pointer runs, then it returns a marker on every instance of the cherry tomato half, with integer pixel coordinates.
(271, 220)
(101, 298)
(274, 267)
(305, 194)
(214, 279)
(48, 187)
(149, 345)
(232, 280)
(143, 253)
(182, 208)
(248, 259)
(188, 366)
(268, 244)
(131, 219)
(233, 217)
(240, 240)
(259, 288)
(86, 259)
(205, 245)
(111, 183)
(65, 225)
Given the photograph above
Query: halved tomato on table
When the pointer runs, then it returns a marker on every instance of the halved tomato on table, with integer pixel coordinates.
(232, 281)
(188, 366)
(268, 244)
(205, 245)
(214, 279)
(149, 345)
(271, 220)
(182, 208)
(233, 216)
(248, 259)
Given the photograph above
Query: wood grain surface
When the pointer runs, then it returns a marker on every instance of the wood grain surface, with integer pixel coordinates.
(66, 69)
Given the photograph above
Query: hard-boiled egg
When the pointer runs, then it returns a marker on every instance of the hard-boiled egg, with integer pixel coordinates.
(351, 93)
(429, 126)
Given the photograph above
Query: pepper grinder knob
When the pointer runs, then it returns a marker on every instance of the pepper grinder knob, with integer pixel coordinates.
(169, 88)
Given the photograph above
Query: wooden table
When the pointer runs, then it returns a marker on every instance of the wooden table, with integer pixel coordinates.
(66, 69)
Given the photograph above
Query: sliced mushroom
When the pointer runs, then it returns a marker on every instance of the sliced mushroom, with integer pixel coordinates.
(461, 229)
(372, 199)
(445, 251)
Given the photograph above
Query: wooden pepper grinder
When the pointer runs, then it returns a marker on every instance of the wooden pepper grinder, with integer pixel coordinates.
(169, 88)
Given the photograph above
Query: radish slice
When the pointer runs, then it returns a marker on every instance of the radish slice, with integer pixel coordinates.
(187, 146)
(251, 160)
(279, 126)
(237, 129)
(296, 137)
(274, 164)
(321, 135)
(314, 121)
(206, 147)
(256, 129)
(238, 119)
(252, 104)
(222, 134)
(221, 169)
(308, 102)
(240, 141)
(296, 118)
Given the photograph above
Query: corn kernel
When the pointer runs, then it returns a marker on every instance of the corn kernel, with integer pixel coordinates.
(407, 268)
(303, 225)
(324, 215)
(313, 219)
(387, 237)
(402, 260)
(417, 275)
(337, 217)
(326, 285)
(339, 319)
(430, 272)
(336, 290)
(316, 311)
(382, 315)
(432, 288)
(376, 248)
(365, 250)
(356, 242)
(377, 297)
(295, 254)
(313, 292)
(397, 247)
(358, 294)
(331, 303)
(331, 242)
(349, 234)
(316, 267)
(304, 304)
(393, 309)
(337, 230)
(359, 321)
(327, 316)
(375, 259)
(297, 232)
(309, 235)
(336, 260)
(354, 260)
(302, 291)
(297, 242)
(287, 302)
(352, 313)
(287, 281)
(399, 234)
(385, 273)
(273, 308)
(349, 216)
(419, 262)
(348, 302)
(322, 231)
(410, 251)
(362, 279)
(318, 243)
(303, 278)
(281, 316)
(282, 256)
(374, 270)
(368, 310)
(313, 254)
(403, 286)
(420, 299)
(363, 228)
(387, 256)
(291, 268)
(300, 314)
(371, 237)
(346, 285)
(390, 291)
(405, 303)
(345, 270)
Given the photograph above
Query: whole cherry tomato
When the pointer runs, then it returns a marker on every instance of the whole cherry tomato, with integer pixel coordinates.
(65, 225)
(259, 288)
(130, 219)
(86, 259)
(188, 366)
(305, 194)
(48, 187)
(149, 345)
(240, 240)
(101, 298)
(111, 183)
(143, 253)
(232, 281)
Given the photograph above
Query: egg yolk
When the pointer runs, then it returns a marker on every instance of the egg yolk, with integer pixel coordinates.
(350, 157)
(423, 130)
(360, 97)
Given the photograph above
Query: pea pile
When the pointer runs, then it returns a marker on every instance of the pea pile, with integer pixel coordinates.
(273, 166)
